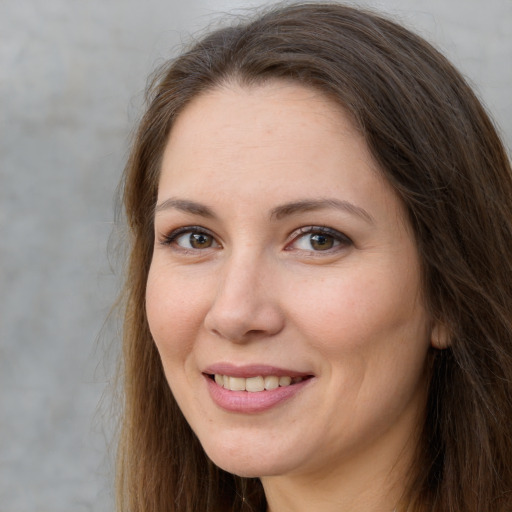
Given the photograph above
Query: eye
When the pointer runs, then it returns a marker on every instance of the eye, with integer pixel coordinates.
(191, 238)
(195, 241)
(318, 239)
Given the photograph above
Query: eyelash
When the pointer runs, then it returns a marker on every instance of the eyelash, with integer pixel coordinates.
(340, 240)
(171, 238)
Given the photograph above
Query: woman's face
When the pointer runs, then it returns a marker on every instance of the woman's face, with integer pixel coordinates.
(284, 292)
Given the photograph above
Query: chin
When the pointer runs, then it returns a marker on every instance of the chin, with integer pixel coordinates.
(255, 469)
(249, 463)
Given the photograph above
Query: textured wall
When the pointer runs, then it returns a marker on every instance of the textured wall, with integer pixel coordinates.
(71, 80)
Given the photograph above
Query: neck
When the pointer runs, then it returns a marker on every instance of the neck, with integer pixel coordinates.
(338, 493)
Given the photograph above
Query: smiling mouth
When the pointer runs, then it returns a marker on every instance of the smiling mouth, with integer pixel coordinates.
(255, 384)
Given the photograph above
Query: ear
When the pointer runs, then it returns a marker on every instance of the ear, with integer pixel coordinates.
(439, 336)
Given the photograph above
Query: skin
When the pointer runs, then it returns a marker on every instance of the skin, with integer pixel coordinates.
(258, 292)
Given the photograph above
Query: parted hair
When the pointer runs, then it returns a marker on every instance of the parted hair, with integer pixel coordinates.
(437, 147)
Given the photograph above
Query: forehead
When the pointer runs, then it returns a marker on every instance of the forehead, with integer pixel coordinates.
(263, 104)
(275, 142)
(236, 120)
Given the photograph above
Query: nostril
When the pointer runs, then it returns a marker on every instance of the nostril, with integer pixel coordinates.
(243, 318)
(240, 336)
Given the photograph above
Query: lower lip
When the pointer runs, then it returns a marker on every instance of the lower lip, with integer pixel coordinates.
(248, 402)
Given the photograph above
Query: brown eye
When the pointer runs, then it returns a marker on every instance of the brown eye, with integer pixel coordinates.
(192, 239)
(200, 240)
(321, 242)
(319, 239)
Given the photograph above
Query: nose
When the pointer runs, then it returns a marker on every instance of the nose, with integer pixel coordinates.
(246, 305)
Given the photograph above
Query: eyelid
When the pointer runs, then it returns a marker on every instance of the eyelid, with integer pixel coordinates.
(173, 235)
(343, 239)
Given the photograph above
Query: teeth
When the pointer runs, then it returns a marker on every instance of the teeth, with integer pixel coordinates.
(255, 384)
(271, 382)
(285, 381)
(235, 383)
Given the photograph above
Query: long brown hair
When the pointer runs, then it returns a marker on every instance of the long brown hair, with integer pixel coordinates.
(437, 147)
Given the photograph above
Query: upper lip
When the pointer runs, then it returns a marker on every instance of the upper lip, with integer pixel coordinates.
(252, 370)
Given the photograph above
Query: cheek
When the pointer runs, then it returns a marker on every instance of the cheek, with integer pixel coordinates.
(372, 335)
(359, 312)
(174, 310)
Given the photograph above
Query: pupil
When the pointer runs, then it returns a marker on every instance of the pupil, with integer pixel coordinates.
(321, 242)
(199, 240)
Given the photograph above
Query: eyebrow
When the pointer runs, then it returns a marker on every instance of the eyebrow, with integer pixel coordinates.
(308, 205)
(277, 213)
(186, 206)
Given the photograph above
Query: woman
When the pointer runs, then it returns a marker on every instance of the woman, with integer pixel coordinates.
(318, 296)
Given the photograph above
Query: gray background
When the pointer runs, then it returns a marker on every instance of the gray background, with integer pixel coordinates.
(71, 79)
